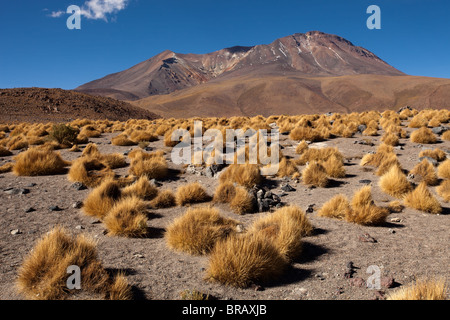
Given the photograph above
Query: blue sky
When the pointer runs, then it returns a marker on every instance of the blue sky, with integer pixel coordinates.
(39, 50)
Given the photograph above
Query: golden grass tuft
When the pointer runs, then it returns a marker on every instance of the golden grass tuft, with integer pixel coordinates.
(315, 174)
(242, 202)
(154, 167)
(364, 211)
(425, 170)
(39, 162)
(7, 167)
(240, 261)
(395, 206)
(422, 199)
(198, 230)
(4, 152)
(444, 190)
(90, 172)
(120, 289)
(285, 228)
(395, 183)
(191, 193)
(225, 192)
(43, 274)
(334, 167)
(421, 289)
(247, 175)
(337, 207)
(164, 199)
(101, 200)
(142, 188)
(443, 170)
(423, 135)
(437, 154)
(127, 218)
(122, 140)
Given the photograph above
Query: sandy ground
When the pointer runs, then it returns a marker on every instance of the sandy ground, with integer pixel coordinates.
(417, 245)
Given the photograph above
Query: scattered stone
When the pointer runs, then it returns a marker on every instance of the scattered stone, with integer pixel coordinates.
(79, 186)
(300, 291)
(396, 220)
(439, 130)
(366, 238)
(391, 231)
(287, 188)
(365, 181)
(240, 228)
(29, 209)
(387, 282)
(15, 191)
(79, 227)
(319, 276)
(349, 271)
(155, 183)
(268, 195)
(15, 231)
(54, 208)
(260, 194)
(339, 291)
(138, 255)
(357, 282)
(362, 127)
(311, 208)
(31, 185)
(398, 148)
(77, 205)
(256, 287)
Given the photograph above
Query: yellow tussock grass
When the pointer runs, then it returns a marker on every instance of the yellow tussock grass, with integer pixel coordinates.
(421, 289)
(422, 199)
(39, 162)
(395, 183)
(191, 193)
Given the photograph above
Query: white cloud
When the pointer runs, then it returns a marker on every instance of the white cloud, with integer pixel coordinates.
(57, 14)
(99, 9)
(96, 9)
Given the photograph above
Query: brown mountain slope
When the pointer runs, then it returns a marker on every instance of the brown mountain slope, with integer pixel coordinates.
(291, 94)
(39, 104)
(313, 53)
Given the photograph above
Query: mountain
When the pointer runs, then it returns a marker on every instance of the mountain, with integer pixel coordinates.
(41, 104)
(300, 73)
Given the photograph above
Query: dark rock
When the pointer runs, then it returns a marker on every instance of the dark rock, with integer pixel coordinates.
(365, 181)
(387, 282)
(15, 191)
(155, 183)
(79, 186)
(54, 208)
(287, 188)
(77, 205)
(276, 198)
(15, 231)
(366, 238)
(260, 194)
(268, 195)
(357, 282)
(30, 185)
(310, 208)
(439, 130)
(362, 127)
(29, 209)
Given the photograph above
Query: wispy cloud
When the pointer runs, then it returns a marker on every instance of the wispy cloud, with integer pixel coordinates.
(97, 9)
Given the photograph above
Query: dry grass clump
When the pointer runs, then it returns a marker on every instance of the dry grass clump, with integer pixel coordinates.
(437, 154)
(164, 199)
(315, 174)
(127, 218)
(423, 135)
(395, 183)
(7, 167)
(122, 140)
(101, 200)
(337, 207)
(364, 211)
(242, 201)
(114, 160)
(285, 228)
(301, 147)
(154, 167)
(422, 199)
(421, 289)
(446, 135)
(425, 170)
(334, 167)
(225, 192)
(247, 175)
(444, 190)
(90, 172)
(305, 133)
(191, 193)
(390, 139)
(444, 169)
(142, 188)
(39, 162)
(286, 168)
(17, 142)
(395, 206)
(240, 261)
(4, 152)
(316, 154)
(43, 274)
(198, 230)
